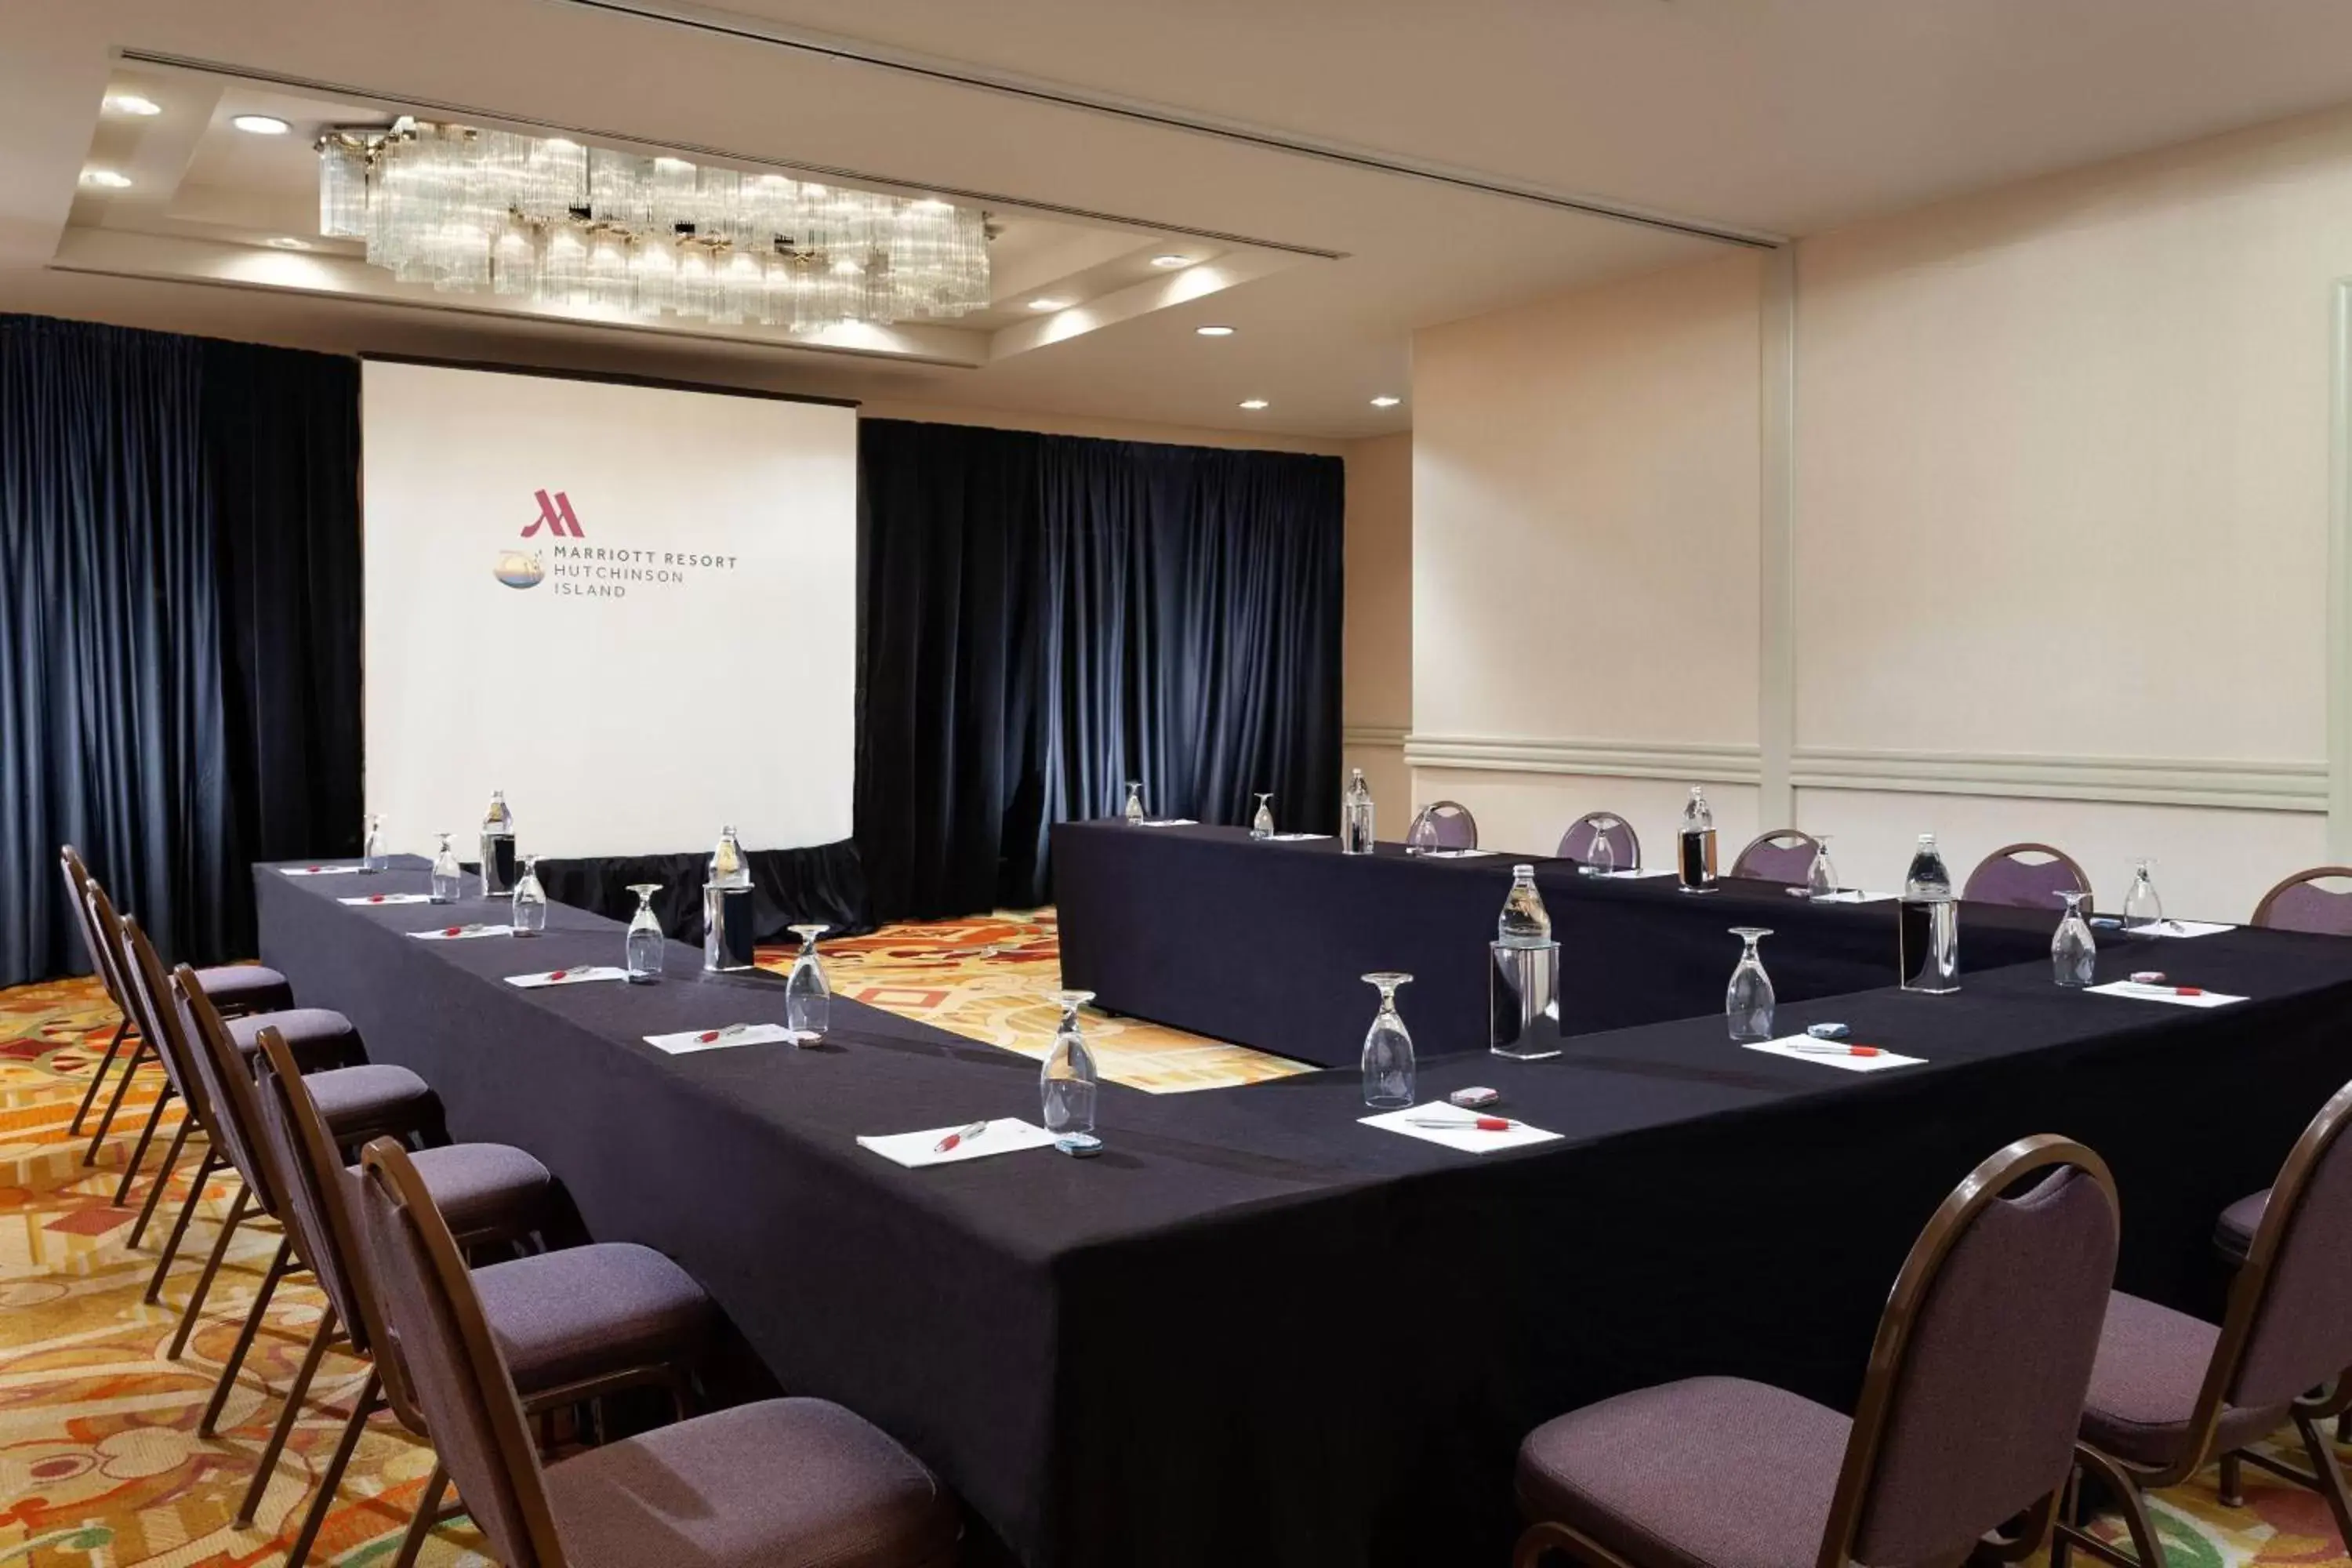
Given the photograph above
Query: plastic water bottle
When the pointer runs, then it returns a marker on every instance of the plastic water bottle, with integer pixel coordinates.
(1927, 923)
(1694, 864)
(727, 913)
(498, 847)
(1524, 922)
(1356, 817)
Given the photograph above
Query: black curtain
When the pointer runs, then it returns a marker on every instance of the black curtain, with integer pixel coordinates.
(1048, 617)
(179, 608)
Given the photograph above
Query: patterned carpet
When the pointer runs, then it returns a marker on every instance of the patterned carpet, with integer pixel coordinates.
(100, 1466)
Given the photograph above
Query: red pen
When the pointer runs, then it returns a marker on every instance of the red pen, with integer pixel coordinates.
(1832, 1048)
(316, 869)
(375, 898)
(960, 1136)
(453, 931)
(1479, 1124)
(557, 974)
(2173, 990)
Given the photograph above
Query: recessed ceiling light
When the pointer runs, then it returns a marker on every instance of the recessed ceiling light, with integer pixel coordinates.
(106, 178)
(1385, 402)
(288, 242)
(1214, 332)
(1252, 403)
(1048, 304)
(1171, 260)
(131, 104)
(261, 124)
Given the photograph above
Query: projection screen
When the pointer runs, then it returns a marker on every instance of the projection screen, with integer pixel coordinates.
(632, 608)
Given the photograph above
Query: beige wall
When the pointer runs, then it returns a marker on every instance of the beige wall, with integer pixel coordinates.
(1377, 665)
(2059, 547)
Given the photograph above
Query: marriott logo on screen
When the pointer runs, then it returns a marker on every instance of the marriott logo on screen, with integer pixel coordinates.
(595, 571)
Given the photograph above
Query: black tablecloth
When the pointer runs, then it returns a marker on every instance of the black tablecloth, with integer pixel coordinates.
(1264, 943)
(1256, 1331)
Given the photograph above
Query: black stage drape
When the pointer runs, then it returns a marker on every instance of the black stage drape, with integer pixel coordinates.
(179, 603)
(1046, 616)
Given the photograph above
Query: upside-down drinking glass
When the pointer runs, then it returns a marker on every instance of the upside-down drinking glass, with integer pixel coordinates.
(1387, 1048)
(1600, 854)
(1262, 824)
(371, 857)
(530, 916)
(2141, 906)
(2074, 950)
(1067, 1082)
(808, 1000)
(644, 948)
(1423, 836)
(1134, 809)
(446, 873)
(1821, 878)
(1748, 1002)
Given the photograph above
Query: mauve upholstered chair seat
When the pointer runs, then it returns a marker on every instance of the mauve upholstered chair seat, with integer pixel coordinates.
(559, 1316)
(485, 1189)
(2152, 1362)
(1711, 1472)
(2233, 1233)
(378, 1096)
(1789, 864)
(784, 1483)
(316, 1035)
(245, 988)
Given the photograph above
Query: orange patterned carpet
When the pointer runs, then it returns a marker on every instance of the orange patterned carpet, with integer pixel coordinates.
(100, 1466)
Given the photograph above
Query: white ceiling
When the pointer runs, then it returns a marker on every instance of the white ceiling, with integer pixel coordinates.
(1111, 128)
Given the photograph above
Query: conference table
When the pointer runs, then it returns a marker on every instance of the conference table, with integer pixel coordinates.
(1264, 943)
(1255, 1330)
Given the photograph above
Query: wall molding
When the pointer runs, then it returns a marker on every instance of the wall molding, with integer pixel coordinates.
(2139, 781)
(1387, 737)
(1686, 762)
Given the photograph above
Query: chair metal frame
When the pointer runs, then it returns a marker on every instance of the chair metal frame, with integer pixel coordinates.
(2127, 1479)
(78, 883)
(1912, 1290)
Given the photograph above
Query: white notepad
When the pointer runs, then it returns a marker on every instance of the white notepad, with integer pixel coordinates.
(1465, 1136)
(1006, 1135)
(317, 870)
(1168, 822)
(689, 1040)
(2178, 928)
(586, 974)
(1638, 873)
(389, 898)
(2140, 992)
(462, 933)
(1456, 854)
(1789, 1046)
(1850, 895)
(1292, 837)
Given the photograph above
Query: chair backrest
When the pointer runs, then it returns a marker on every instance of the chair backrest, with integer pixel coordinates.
(77, 884)
(433, 1326)
(316, 1186)
(1456, 828)
(2300, 903)
(1576, 844)
(2287, 1330)
(1983, 1356)
(228, 1085)
(1783, 855)
(147, 1010)
(2026, 876)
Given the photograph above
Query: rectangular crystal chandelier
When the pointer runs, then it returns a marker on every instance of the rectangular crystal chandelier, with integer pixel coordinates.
(558, 223)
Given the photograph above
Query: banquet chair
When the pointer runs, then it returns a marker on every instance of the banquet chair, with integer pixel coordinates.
(2172, 1393)
(235, 988)
(1454, 827)
(2300, 903)
(784, 1483)
(360, 1102)
(1784, 855)
(148, 990)
(1576, 844)
(1967, 1415)
(2007, 877)
(575, 1324)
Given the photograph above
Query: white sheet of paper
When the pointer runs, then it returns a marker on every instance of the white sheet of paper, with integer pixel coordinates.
(462, 933)
(389, 898)
(2140, 992)
(2178, 928)
(1789, 1046)
(1854, 895)
(1168, 822)
(1639, 872)
(318, 870)
(1006, 1135)
(692, 1040)
(586, 974)
(1294, 837)
(1467, 1138)
(1457, 854)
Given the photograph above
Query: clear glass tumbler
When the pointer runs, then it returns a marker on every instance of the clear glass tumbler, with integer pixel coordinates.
(2074, 950)
(644, 946)
(1067, 1081)
(1821, 876)
(2141, 905)
(1748, 1002)
(808, 999)
(446, 873)
(1387, 1048)
(529, 917)
(1262, 824)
